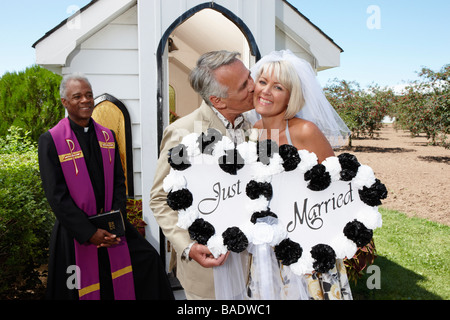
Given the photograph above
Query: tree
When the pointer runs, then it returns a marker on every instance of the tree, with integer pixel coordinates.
(361, 110)
(30, 100)
(425, 106)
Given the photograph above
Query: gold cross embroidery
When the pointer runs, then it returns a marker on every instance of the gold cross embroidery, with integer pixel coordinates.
(107, 145)
(72, 156)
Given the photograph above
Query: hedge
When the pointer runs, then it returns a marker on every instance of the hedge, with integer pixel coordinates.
(26, 221)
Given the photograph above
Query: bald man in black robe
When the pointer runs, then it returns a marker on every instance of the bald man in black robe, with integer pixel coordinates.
(150, 278)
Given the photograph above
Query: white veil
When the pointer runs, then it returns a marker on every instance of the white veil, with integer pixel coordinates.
(317, 109)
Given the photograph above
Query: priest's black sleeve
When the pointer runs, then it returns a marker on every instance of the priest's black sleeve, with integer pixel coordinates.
(72, 218)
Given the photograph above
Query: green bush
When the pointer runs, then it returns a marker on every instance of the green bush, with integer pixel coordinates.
(26, 219)
(30, 99)
(17, 140)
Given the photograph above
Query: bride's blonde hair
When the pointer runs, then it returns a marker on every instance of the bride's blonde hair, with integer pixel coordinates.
(286, 75)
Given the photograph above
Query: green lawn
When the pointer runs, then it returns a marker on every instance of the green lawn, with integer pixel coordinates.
(413, 260)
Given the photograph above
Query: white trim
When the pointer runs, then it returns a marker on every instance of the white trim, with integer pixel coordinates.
(56, 48)
(299, 29)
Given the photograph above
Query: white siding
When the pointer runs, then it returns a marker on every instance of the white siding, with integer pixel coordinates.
(149, 35)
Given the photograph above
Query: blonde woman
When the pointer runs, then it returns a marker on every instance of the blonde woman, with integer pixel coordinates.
(292, 109)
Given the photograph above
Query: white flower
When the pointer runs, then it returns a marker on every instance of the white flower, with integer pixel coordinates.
(264, 173)
(308, 160)
(276, 165)
(260, 173)
(262, 233)
(216, 246)
(370, 217)
(333, 167)
(343, 247)
(187, 217)
(260, 204)
(266, 230)
(192, 145)
(364, 177)
(247, 150)
(174, 181)
(304, 265)
(279, 233)
(221, 146)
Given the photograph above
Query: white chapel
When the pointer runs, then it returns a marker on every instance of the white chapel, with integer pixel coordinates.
(137, 55)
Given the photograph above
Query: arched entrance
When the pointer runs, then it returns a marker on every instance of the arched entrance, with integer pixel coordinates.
(204, 28)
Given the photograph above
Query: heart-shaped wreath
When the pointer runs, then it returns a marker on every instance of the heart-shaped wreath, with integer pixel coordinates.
(262, 226)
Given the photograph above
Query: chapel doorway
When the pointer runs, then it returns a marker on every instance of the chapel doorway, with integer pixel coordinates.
(207, 30)
(206, 27)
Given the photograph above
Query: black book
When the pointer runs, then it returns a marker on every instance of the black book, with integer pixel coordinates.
(110, 221)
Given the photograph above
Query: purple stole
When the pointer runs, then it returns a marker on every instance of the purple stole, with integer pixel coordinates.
(80, 187)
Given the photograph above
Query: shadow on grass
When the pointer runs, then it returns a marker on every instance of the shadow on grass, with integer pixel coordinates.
(397, 283)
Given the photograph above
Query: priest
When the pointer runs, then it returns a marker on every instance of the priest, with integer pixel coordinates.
(82, 176)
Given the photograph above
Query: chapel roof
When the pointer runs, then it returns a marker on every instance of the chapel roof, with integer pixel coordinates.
(62, 23)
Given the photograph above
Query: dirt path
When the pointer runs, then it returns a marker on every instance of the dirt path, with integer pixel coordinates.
(416, 175)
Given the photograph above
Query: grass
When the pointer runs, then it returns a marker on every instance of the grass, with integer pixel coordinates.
(413, 259)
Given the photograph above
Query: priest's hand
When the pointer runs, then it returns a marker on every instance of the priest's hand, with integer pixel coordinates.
(104, 239)
(204, 257)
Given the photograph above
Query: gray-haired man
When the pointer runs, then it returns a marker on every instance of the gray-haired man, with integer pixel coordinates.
(227, 89)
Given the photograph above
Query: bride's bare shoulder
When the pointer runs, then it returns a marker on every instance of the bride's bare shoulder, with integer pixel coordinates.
(303, 127)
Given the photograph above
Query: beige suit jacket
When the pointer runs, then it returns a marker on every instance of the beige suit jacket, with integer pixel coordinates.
(193, 277)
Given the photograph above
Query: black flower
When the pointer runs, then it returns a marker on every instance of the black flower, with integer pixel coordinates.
(262, 214)
(372, 196)
(324, 256)
(288, 251)
(290, 157)
(178, 200)
(177, 158)
(207, 141)
(231, 162)
(255, 189)
(265, 150)
(349, 166)
(318, 177)
(201, 230)
(358, 233)
(235, 240)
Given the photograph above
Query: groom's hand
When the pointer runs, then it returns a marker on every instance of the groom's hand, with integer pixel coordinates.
(204, 257)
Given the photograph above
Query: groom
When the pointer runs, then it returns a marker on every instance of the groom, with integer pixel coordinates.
(226, 87)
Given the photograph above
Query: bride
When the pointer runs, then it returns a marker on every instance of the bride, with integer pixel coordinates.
(290, 108)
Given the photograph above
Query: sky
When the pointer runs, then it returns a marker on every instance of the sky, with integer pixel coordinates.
(385, 42)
